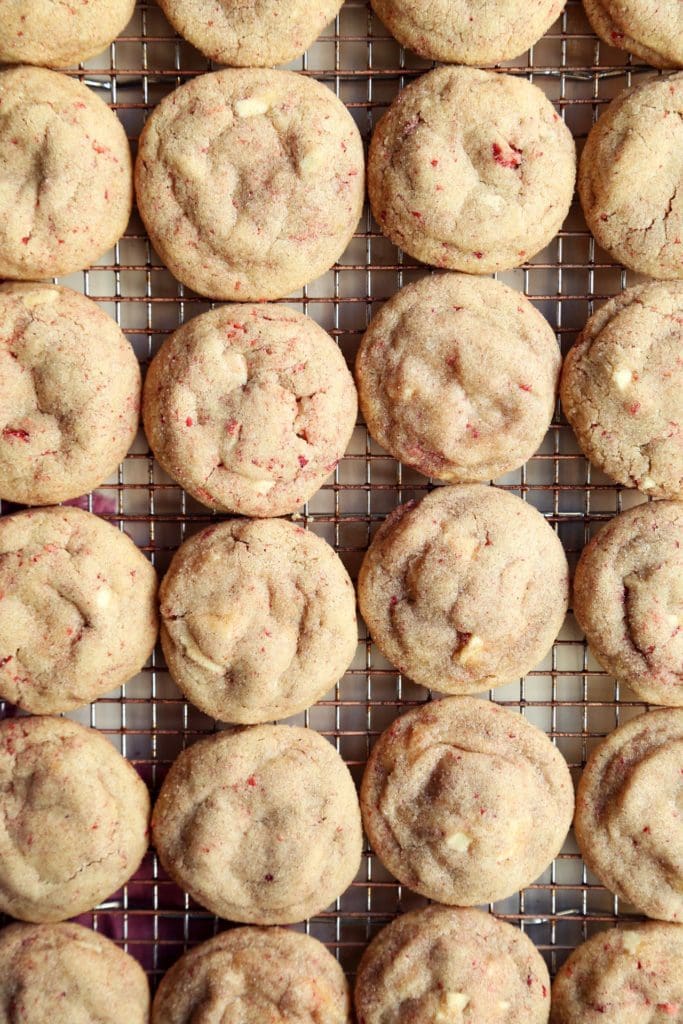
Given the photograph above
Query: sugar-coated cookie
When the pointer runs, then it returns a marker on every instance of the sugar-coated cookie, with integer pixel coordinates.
(651, 30)
(59, 34)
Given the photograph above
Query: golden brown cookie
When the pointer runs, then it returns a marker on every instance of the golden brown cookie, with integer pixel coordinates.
(628, 813)
(260, 825)
(59, 34)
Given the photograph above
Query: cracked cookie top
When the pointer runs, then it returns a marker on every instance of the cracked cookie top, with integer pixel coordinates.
(54, 973)
(77, 609)
(250, 182)
(622, 388)
(69, 394)
(250, 408)
(255, 975)
(457, 377)
(60, 34)
(258, 619)
(66, 181)
(471, 170)
(631, 174)
(464, 31)
(260, 825)
(466, 590)
(443, 964)
(628, 813)
(623, 976)
(628, 599)
(255, 34)
(73, 819)
(650, 29)
(466, 802)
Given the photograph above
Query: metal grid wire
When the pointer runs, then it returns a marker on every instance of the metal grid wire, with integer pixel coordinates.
(568, 695)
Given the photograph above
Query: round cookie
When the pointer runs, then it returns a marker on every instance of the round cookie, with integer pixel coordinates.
(628, 822)
(249, 408)
(628, 599)
(250, 182)
(66, 179)
(443, 964)
(73, 819)
(254, 34)
(473, 397)
(466, 802)
(69, 394)
(631, 180)
(78, 612)
(622, 388)
(66, 974)
(622, 976)
(253, 975)
(464, 32)
(466, 590)
(471, 170)
(258, 619)
(57, 34)
(261, 825)
(650, 29)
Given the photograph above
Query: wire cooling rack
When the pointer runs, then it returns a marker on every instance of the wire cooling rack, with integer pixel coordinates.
(567, 695)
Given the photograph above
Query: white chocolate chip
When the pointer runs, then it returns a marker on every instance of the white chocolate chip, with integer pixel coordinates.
(470, 651)
(462, 547)
(459, 841)
(312, 161)
(647, 483)
(261, 486)
(504, 1005)
(41, 297)
(103, 597)
(194, 654)
(493, 201)
(252, 107)
(622, 377)
(630, 941)
(452, 1006)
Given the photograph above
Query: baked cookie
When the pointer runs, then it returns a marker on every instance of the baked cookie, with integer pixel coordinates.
(250, 182)
(250, 408)
(628, 821)
(258, 619)
(631, 181)
(650, 29)
(432, 965)
(622, 975)
(255, 975)
(69, 394)
(466, 802)
(471, 170)
(78, 613)
(57, 34)
(254, 34)
(464, 32)
(260, 825)
(622, 388)
(66, 974)
(73, 819)
(628, 599)
(466, 590)
(473, 396)
(66, 178)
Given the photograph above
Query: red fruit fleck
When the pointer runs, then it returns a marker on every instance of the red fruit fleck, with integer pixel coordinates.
(251, 781)
(646, 829)
(435, 163)
(511, 159)
(617, 36)
(544, 990)
(633, 409)
(268, 877)
(21, 435)
(5, 661)
(529, 980)
(98, 148)
(669, 1008)
(416, 214)
(478, 255)
(603, 216)
(231, 426)
(525, 387)
(189, 421)
(393, 602)
(26, 239)
(473, 431)
(303, 461)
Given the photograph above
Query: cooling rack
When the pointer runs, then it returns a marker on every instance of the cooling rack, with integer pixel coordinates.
(567, 695)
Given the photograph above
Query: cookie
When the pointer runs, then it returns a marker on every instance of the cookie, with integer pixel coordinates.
(66, 177)
(258, 619)
(628, 599)
(261, 825)
(464, 32)
(442, 965)
(78, 613)
(650, 29)
(622, 975)
(630, 178)
(253, 975)
(73, 819)
(66, 974)
(628, 822)
(622, 388)
(69, 394)
(471, 170)
(251, 35)
(472, 396)
(57, 34)
(249, 408)
(466, 802)
(250, 182)
(466, 590)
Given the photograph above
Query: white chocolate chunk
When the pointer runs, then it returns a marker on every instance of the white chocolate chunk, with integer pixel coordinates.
(452, 1005)
(471, 651)
(41, 297)
(261, 486)
(622, 377)
(103, 597)
(252, 106)
(647, 483)
(630, 941)
(459, 841)
(312, 161)
(194, 654)
(504, 1005)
